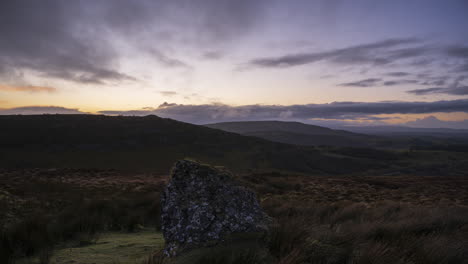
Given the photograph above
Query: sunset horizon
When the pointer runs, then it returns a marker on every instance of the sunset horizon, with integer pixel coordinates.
(236, 61)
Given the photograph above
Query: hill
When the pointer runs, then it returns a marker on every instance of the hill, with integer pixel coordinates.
(297, 133)
(409, 131)
(154, 143)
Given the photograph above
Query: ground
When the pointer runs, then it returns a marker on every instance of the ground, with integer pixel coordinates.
(321, 219)
(110, 248)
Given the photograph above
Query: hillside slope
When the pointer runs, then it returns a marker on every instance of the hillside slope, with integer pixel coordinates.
(297, 133)
(153, 143)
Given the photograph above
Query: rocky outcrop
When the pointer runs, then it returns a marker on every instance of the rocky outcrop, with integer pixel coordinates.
(203, 206)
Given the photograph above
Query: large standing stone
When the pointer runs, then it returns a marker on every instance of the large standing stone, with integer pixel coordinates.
(202, 206)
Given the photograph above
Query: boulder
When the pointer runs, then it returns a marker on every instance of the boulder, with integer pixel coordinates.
(203, 206)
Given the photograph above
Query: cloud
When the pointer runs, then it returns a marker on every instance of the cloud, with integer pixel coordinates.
(461, 90)
(434, 122)
(362, 83)
(47, 37)
(391, 83)
(398, 74)
(426, 91)
(456, 88)
(205, 21)
(377, 53)
(167, 61)
(85, 42)
(458, 51)
(435, 81)
(38, 110)
(166, 104)
(210, 113)
(168, 93)
(462, 68)
(404, 53)
(399, 82)
(212, 55)
(27, 88)
(95, 76)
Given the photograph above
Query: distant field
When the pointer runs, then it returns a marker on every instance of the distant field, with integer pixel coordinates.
(366, 190)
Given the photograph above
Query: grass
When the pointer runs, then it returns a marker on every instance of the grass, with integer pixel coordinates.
(426, 191)
(384, 233)
(364, 219)
(110, 248)
(41, 209)
(47, 214)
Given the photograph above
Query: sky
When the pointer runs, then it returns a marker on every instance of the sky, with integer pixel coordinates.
(329, 62)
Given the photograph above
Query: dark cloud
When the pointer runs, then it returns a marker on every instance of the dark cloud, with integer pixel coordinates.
(408, 52)
(378, 53)
(152, 22)
(363, 83)
(426, 91)
(461, 90)
(45, 37)
(399, 82)
(210, 113)
(458, 51)
(80, 41)
(435, 81)
(166, 104)
(391, 83)
(456, 88)
(462, 68)
(196, 22)
(38, 110)
(212, 55)
(398, 74)
(422, 62)
(404, 53)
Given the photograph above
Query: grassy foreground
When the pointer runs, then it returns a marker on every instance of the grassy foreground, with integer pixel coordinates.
(110, 248)
(382, 219)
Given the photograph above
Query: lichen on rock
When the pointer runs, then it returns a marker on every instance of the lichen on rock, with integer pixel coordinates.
(203, 206)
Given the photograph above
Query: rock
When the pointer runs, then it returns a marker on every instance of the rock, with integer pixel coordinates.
(203, 206)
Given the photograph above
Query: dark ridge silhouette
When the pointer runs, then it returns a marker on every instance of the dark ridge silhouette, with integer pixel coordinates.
(153, 143)
(297, 133)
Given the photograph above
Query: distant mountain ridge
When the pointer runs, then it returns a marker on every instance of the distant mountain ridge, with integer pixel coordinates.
(296, 133)
(406, 130)
(153, 143)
